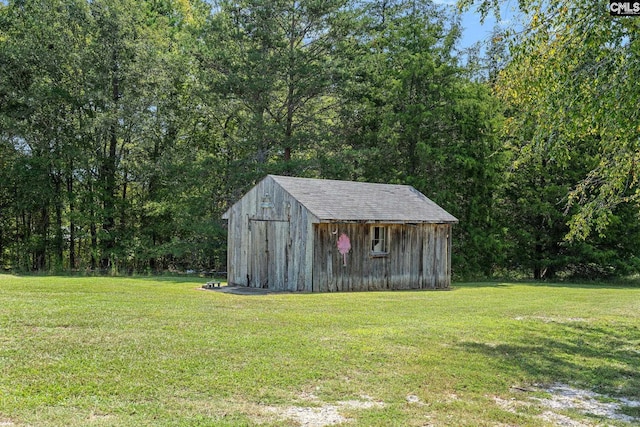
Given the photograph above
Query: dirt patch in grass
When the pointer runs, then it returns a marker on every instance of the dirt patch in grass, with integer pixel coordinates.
(324, 414)
(562, 398)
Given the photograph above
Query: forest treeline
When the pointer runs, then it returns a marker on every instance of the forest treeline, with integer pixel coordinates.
(127, 127)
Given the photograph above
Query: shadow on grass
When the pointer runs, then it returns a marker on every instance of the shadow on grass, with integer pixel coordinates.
(618, 284)
(601, 358)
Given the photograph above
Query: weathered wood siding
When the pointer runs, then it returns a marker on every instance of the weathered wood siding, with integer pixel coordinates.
(419, 257)
(285, 247)
(270, 247)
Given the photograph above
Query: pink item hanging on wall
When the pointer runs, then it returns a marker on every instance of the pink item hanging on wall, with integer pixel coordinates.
(344, 246)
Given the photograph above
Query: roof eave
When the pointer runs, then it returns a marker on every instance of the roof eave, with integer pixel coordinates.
(384, 221)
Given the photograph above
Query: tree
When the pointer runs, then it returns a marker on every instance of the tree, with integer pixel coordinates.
(571, 188)
(573, 74)
(88, 117)
(40, 88)
(276, 75)
(414, 117)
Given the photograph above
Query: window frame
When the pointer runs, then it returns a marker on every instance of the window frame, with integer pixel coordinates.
(382, 239)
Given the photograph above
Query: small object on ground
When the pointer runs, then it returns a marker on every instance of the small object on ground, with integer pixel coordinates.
(211, 285)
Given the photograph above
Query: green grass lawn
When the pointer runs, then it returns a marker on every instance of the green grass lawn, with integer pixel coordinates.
(162, 352)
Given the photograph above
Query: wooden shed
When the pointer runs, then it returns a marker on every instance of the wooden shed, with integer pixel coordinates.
(316, 235)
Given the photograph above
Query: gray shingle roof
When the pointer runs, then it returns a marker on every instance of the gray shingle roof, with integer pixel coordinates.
(362, 201)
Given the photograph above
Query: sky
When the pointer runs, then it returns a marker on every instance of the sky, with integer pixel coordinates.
(474, 31)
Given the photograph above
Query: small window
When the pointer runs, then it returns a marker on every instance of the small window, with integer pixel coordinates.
(379, 240)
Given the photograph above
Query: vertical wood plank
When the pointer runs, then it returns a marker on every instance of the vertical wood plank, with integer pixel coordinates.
(416, 262)
(449, 249)
(428, 257)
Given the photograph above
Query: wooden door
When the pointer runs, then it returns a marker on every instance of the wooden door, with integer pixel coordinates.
(258, 254)
(269, 264)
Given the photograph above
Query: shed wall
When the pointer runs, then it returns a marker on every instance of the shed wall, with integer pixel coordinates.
(419, 257)
(268, 247)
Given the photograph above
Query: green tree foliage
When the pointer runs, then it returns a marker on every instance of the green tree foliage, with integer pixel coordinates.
(414, 117)
(276, 80)
(571, 127)
(573, 72)
(128, 127)
(91, 104)
(40, 93)
(534, 202)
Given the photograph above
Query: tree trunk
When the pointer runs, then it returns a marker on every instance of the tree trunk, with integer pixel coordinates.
(109, 177)
(59, 238)
(40, 250)
(93, 231)
(72, 226)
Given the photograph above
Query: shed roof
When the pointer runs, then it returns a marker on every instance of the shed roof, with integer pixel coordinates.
(331, 200)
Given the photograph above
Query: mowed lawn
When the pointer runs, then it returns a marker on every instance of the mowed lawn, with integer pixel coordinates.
(162, 352)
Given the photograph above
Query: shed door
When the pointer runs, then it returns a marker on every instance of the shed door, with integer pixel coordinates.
(269, 250)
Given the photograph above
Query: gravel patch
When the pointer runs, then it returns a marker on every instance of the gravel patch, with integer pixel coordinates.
(561, 420)
(566, 398)
(323, 415)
